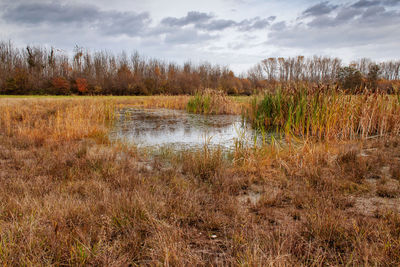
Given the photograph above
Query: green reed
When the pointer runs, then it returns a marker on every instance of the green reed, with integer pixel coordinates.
(199, 103)
(325, 115)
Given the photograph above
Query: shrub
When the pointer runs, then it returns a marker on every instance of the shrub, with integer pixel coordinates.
(82, 85)
(61, 85)
(19, 83)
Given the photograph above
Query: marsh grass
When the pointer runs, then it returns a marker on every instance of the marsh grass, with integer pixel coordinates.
(326, 115)
(212, 102)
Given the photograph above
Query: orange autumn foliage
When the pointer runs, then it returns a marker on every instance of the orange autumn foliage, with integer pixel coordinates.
(82, 85)
(61, 84)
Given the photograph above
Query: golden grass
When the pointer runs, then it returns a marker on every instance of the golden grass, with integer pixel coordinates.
(170, 102)
(68, 199)
(55, 119)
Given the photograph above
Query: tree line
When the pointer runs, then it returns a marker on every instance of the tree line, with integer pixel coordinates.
(39, 70)
(359, 75)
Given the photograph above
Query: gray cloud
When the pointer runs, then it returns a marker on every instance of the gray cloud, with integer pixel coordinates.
(183, 30)
(281, 25)
(191, 28)
(344, 15)
(187, 36)
(373, 12)
(256, 23)
(349, 25)
(54, 13)
(391, 2)
(320, 9)
(322, 12)
(347, 14)
(208, 22)
(197, 27)
(362, 12)
(370, 3)
(365, 3)
(128, 23)
(35, 13)
(216, 25)
(192, 17)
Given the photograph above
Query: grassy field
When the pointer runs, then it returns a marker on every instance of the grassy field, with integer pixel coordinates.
(68, 196)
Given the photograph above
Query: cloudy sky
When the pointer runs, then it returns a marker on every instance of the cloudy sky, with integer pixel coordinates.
(238, 33)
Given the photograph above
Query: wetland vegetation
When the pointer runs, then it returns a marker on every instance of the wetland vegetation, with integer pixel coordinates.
(325, 193)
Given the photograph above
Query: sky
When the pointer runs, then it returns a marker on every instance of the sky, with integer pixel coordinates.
(234, 33)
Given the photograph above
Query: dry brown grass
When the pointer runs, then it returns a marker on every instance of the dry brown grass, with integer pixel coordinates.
(67, 197)
(41, 119)
(159, 101)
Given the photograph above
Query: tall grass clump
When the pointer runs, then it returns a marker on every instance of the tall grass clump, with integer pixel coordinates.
(211, 102)
(199, 104)
(205, 164)
(326, 115)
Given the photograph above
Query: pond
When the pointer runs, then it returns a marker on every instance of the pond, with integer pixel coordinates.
(179, 129)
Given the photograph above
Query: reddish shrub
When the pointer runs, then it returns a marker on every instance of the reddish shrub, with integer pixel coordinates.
(61, 85)
(82, 85)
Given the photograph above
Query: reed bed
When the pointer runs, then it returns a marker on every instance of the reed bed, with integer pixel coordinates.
(212, 102)
(326, 115)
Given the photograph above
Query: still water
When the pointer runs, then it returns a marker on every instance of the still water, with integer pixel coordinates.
(178, 129)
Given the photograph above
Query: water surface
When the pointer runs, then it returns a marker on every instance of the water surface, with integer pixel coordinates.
(178, 129)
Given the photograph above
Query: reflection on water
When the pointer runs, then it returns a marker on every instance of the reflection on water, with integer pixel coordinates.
(164, 127)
